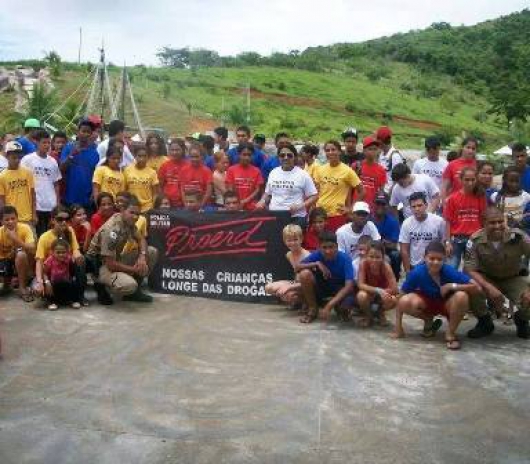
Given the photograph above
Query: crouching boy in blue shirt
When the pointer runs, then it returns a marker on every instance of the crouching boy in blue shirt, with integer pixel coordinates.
(434, 288)
(325, 273)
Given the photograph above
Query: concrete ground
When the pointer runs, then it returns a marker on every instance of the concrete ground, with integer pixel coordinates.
(203, 381)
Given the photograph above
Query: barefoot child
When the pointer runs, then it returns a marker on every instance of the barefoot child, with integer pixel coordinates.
(434, 288)
(60, 285)
(377, 285)
(288, 291)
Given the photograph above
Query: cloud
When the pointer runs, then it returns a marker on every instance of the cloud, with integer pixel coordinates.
(133, 32)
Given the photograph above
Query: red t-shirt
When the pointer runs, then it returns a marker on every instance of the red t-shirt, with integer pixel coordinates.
(96, 221)
(463, 213)
(195, 179)
(453, 170)
(244, 179)
(373, 179)
(169, 175)
(80, 234)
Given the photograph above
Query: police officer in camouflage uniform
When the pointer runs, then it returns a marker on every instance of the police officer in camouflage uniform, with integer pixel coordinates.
(119, 272)
(493, 259)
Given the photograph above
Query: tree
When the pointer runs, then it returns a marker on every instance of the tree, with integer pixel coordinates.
(41, 102)
(174, 57)
(249, 58)
(54, 63)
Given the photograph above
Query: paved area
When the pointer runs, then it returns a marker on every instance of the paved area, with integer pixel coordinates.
(203, 381)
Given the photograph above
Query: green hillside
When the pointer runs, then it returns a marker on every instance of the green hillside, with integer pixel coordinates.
(446, 80)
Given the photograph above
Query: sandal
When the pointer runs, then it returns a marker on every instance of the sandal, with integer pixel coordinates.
(365, 322)
(453, 344)
(76, 305)
(308, 318)
(53, 307)
(26, 297)
(430, 332)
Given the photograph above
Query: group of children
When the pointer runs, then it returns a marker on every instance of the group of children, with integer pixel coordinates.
(369, 215)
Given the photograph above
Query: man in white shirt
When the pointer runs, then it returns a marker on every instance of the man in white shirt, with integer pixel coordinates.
(406, 184)
(432, 166)
(349, 234)
(47, 176)
(389, 157)
(418, 231)
(117, 132)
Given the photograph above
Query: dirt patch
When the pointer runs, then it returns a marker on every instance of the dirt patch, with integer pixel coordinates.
(202, 125)
(319, 104)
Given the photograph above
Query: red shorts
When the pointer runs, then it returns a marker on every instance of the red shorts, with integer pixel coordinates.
(434, 306)
(334, 222)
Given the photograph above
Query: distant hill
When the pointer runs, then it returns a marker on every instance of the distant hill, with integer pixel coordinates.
(446, 80)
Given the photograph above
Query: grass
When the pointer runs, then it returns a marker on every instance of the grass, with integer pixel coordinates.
(311, 106)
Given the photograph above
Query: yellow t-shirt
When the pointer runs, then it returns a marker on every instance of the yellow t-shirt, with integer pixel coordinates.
(7, 247)
(141, 226)
(156, 161)
(44, 245)
(334, 184)
(109, 181)
(312, 170)
(140, 183)
(17, 186)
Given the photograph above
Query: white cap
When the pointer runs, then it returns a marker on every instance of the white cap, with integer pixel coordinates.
(13, 145)
(361, 206)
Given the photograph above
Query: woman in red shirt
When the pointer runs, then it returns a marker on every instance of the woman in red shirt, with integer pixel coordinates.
(169, 174)
(106, 209)
(451, 177)
(196, 177)
(463, 214)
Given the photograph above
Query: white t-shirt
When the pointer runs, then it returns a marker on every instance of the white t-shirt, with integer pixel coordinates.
(420, 183)
(433, 169)
(347, 239)
(46, 173)
(389, 160)
(3, 163)
(513, 206)
(420, 233)
(127, 157)
(287, 188)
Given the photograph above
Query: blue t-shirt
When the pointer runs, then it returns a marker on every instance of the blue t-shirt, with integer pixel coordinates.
(258, 157)
(269, 165)
(388, 228)
(27, 145)
(209, 162)
(341, 267)
(525, 179)
(419, 280)
(78, 176)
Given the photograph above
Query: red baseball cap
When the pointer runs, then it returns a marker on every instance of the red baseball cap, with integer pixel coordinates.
(370, 140)
(384, 133)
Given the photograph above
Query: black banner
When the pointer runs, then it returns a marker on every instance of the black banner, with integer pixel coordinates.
(224, 255)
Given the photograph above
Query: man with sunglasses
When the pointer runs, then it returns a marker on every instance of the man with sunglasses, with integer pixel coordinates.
(289, 188)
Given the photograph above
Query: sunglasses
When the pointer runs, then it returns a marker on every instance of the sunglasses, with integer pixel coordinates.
(286, 155)
(61, 218)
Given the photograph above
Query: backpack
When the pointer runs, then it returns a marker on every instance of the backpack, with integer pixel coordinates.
(389, 165)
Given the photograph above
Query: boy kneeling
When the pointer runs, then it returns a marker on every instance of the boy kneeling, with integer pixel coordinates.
(17, 252)
(433, 288)
(325, 273)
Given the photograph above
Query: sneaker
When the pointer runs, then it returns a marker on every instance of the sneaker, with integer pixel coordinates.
(76, 305)
(85, 302)
(104, 297)
(53, 307)
(483, 328)
(523, 328)
(139, 297)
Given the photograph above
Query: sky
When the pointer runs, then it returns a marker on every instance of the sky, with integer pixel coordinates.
(134, 31)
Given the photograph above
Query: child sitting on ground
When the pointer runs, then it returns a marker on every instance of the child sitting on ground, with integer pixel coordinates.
(161, 202)
(60, 286)
(377, 285)
(317, 224)
(81, 226)
(288, 291)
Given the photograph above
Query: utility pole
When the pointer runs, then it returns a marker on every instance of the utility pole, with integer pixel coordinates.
(80, 45)
(102, 79)
(248, 103)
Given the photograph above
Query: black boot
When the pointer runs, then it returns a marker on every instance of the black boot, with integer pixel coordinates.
(483, 328)
(104, 297)
(523, 329)
(138, 296)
